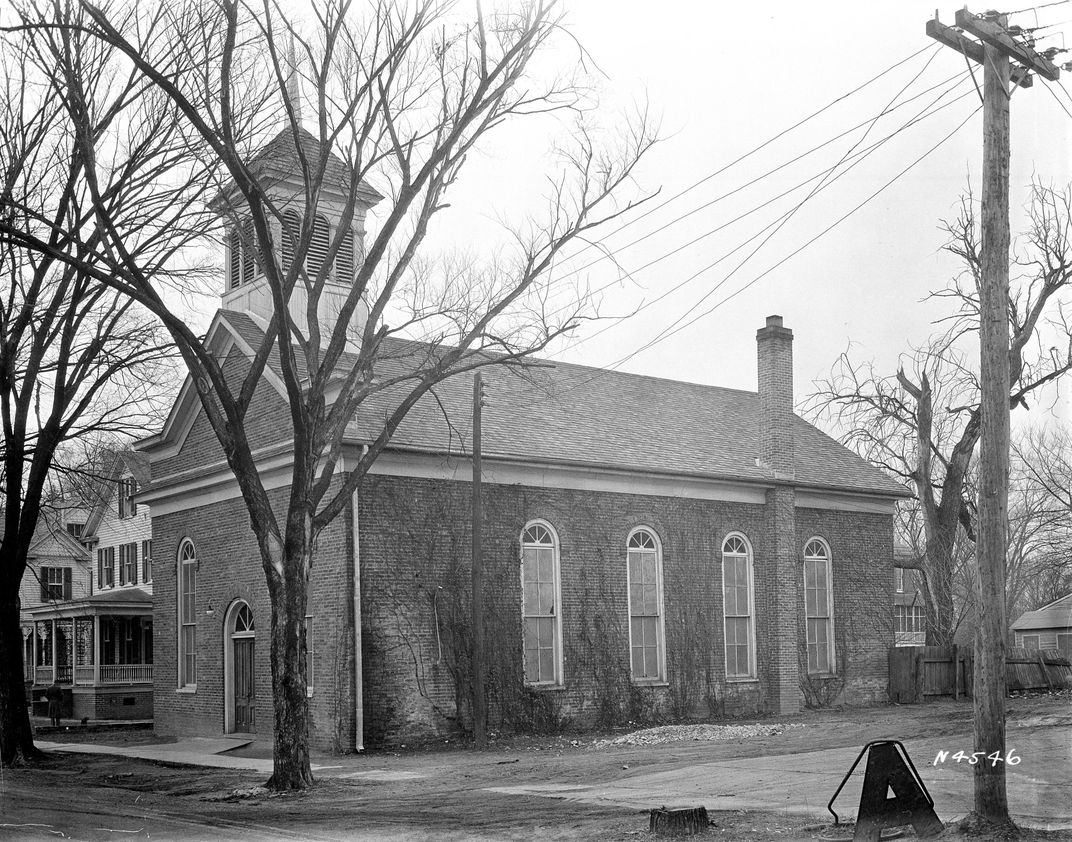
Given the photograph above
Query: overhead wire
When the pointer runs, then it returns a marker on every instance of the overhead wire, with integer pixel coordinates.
(617, 250)
(860, 156)
(678, 326)
(779, 223)
(668, 334)
(760, 147)
(1057, 99)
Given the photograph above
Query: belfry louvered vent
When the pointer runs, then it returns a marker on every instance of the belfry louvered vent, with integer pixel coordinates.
(344, 260)
(291, 231)
(318, 247)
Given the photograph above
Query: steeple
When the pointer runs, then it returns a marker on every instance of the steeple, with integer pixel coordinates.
(293, 82)
(279, 171)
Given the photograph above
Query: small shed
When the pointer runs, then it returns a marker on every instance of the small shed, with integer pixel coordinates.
(1048, 627)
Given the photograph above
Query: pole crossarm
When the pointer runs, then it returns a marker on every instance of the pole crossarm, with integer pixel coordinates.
(994, 34)
(952, 37)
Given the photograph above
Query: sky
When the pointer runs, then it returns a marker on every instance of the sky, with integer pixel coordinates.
(725, 79)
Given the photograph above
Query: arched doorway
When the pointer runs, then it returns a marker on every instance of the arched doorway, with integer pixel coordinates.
(240, 696)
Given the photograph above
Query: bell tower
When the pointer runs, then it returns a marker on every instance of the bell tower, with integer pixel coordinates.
(278, 168)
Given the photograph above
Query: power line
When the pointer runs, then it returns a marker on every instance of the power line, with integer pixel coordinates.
(668, 334)
(928, 110)
(1036, 8)
(859, 156)
(756, 149)
(1057, 99)
(611, 252)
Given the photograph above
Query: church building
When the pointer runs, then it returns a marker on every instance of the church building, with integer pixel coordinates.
(653, 549)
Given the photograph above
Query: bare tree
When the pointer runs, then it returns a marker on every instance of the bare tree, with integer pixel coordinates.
(403, 95)
(78, 360)
(923, 423)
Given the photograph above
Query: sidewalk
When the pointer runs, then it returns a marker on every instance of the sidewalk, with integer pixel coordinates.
(210, 752)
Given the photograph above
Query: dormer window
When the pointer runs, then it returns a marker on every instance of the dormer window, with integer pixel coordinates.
(128, 507)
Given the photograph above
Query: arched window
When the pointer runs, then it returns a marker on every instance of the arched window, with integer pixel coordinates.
(644, 570)
(187, 610)
(540, 604)
(738, 607)
(819, 606)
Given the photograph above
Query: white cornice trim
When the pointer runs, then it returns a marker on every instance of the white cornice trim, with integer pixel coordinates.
(214, 484)
(844, 502)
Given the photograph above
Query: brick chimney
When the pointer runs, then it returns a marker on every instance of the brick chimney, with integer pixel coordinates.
(775, 352)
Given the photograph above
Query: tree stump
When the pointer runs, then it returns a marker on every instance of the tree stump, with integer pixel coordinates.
(687, 822)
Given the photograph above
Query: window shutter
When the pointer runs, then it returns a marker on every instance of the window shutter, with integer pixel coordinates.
(318, 247)
(122, 564)
(133, 552)
(133, 484)
(100, 568)
(44, 584)
(67, 594)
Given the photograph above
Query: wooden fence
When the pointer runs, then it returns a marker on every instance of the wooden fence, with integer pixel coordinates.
(921, 672)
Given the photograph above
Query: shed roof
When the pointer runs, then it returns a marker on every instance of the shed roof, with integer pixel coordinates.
(1056, 615)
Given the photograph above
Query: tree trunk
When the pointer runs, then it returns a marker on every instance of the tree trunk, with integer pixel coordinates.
(940, 588)
(289, 597)
(16, 736)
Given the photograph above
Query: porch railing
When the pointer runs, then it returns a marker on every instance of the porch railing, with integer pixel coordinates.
(86, 675)
(126, 673)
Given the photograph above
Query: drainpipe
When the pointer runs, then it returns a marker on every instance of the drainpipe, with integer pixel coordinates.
(359, 689)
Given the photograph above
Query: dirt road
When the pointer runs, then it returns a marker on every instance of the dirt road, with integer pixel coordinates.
(454, 794)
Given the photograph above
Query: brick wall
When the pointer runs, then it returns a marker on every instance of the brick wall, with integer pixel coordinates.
(414, 559)
(229, 569)
(415, 578)
(267, 422)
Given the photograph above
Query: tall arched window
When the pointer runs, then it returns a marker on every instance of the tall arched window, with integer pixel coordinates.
(540, 604)
(738, 607)
(187, 611)
(644, 570)
(819, 606)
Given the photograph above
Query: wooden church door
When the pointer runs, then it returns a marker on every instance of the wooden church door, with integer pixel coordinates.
(245, 697)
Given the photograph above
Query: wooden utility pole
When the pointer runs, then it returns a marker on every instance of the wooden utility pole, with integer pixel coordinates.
(480, 711)
(994, 49)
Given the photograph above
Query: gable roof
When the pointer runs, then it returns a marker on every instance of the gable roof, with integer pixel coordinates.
(568, 414)
(104, 489)
(51, 540)
(1056, 615)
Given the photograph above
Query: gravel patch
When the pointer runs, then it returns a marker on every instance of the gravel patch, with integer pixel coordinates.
(698, 733)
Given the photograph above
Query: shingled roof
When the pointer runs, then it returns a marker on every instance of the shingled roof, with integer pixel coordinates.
(1056, 615)
(566, 414)
(278, 160)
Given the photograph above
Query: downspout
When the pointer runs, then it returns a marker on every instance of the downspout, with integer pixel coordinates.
(359, 689)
